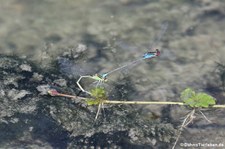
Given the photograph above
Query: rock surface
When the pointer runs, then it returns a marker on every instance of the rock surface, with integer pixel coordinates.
(30, 118)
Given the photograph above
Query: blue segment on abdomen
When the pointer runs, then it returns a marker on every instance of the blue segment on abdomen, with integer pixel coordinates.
(148, 55)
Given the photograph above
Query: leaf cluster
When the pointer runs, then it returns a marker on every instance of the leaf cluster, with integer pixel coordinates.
(197, 100)
(98, 95)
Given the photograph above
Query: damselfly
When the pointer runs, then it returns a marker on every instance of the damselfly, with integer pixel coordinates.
(100, 78)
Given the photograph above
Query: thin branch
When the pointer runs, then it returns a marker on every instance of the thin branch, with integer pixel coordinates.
(55, 93)
(205, 116)
(99, 108)
(218, 106)
(142, 102)
(189, 116)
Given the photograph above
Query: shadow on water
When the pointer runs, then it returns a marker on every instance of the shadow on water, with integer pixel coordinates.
(91, 40)
(166, 114)
(215, 14)
(33, 129)
(47, 130)
(44, 129)
(124, 89)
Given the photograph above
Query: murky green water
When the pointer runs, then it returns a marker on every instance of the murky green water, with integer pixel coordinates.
(117, 32)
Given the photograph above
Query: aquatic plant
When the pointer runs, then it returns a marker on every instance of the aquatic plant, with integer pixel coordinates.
(199, 100)
(189, 98)
(196, 101)
(98, 95)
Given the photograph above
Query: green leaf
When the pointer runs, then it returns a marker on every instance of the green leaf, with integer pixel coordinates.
(198, 100)
(204, 100)
(187, 93)
(190, 102)
(98, 92)
(91, 102)
(98, 95)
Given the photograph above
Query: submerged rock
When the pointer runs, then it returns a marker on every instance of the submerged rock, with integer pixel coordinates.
(42, 120)
(25, 67)
(16, 94)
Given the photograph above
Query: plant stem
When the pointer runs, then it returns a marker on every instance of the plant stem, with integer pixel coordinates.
(142, 102)
(129, 102)
(218, 106)
(153, 103)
